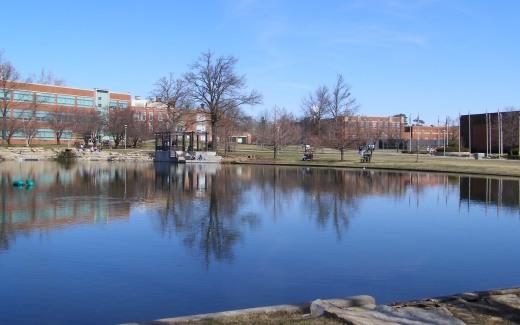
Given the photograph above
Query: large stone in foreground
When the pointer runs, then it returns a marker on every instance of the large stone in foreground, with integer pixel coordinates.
(365, 312)
(319, 307)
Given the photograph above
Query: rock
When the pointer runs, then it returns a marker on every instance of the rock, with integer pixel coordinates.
(509, 300)
(320, 307)
(470, 296)
(383, 315)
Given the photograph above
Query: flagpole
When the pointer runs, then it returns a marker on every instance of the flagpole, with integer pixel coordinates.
(469, 130)
(459, 133)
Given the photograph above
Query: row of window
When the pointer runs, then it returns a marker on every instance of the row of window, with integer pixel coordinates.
(44, 134)
(25, 114)
(374, 124)
(118, 104)
(27, 96)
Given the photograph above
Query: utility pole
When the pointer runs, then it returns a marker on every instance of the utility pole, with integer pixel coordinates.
(487, 135)
(459, 133)
(446, 144)
(499, 134)
(438, 131)
(469, 130)
(125, 135)
(411, 128)
(417, 157)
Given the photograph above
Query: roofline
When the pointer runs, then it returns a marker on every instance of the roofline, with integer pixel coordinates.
(64, 86)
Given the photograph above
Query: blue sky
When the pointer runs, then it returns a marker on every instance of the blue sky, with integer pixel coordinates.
(426, 57)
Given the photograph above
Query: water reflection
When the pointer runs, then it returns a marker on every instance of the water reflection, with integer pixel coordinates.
(211, 207)
(204, 205)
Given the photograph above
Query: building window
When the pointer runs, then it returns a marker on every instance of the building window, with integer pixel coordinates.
(122, 104)
(23, 96)
(99, 105)
(22, 114)
(5, 93)
(19, 135)
(45, 134)
(113, 104)
(66, 100)
(46, 98)
(43, 116)
(99, 98)
(85, 101)
(66, 135)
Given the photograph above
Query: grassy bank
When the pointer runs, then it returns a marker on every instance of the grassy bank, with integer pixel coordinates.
(382, 159)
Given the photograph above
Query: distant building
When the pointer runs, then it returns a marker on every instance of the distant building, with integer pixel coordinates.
(159, 118)
(486, 131)
(39, 102)
(424, 136)
(241, 138)
(385, 132)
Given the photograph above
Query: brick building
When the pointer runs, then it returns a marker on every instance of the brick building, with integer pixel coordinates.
(491, 133)
(425, 136)
(32, 108)
(37, 104)
(157, 117)
(385, 132)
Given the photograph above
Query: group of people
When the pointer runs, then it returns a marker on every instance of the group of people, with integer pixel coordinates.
(367, 147)
(84, 148)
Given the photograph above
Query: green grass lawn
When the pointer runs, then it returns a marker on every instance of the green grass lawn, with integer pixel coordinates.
(384, 159)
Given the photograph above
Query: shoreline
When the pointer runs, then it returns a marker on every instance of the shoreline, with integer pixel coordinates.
(384, 161)
(371, 167)
(477, 307)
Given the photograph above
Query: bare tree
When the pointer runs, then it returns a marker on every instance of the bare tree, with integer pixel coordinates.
(283, 129)
(8, 75)
(173, 93)
(13, 126)
(137, 131)
(29, 124)
(60, 120)
(117, 120)
(214, 84)
(342, 106)
(316, 107)
(88, 123)
(45, 78)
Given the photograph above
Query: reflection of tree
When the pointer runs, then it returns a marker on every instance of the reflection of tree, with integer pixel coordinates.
(208, 217)
(207, 207)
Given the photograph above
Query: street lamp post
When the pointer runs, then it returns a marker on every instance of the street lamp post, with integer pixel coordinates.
(125, 135)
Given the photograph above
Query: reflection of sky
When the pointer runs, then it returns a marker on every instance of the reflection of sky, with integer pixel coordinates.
(395, 236)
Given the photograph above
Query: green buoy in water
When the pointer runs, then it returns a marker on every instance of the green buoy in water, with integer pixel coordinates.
(18, 183)
(29, 183)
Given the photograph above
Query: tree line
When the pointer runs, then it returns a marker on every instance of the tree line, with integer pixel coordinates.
(212, 92)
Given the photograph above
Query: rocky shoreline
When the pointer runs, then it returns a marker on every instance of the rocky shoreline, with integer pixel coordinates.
(50, 154)
(481, 307)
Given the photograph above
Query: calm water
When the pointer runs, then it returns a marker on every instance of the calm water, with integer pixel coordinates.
(106, 243)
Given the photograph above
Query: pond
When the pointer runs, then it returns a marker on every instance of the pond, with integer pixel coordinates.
(104, 243)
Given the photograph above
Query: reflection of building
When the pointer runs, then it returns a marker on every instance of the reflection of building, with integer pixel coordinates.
(79, 194)
(39, 105)
(490, 191)
(482, 132)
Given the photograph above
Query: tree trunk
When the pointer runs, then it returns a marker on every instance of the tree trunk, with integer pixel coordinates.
(4, 127)
(58, 138)
(342, 151)
(214, 141)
